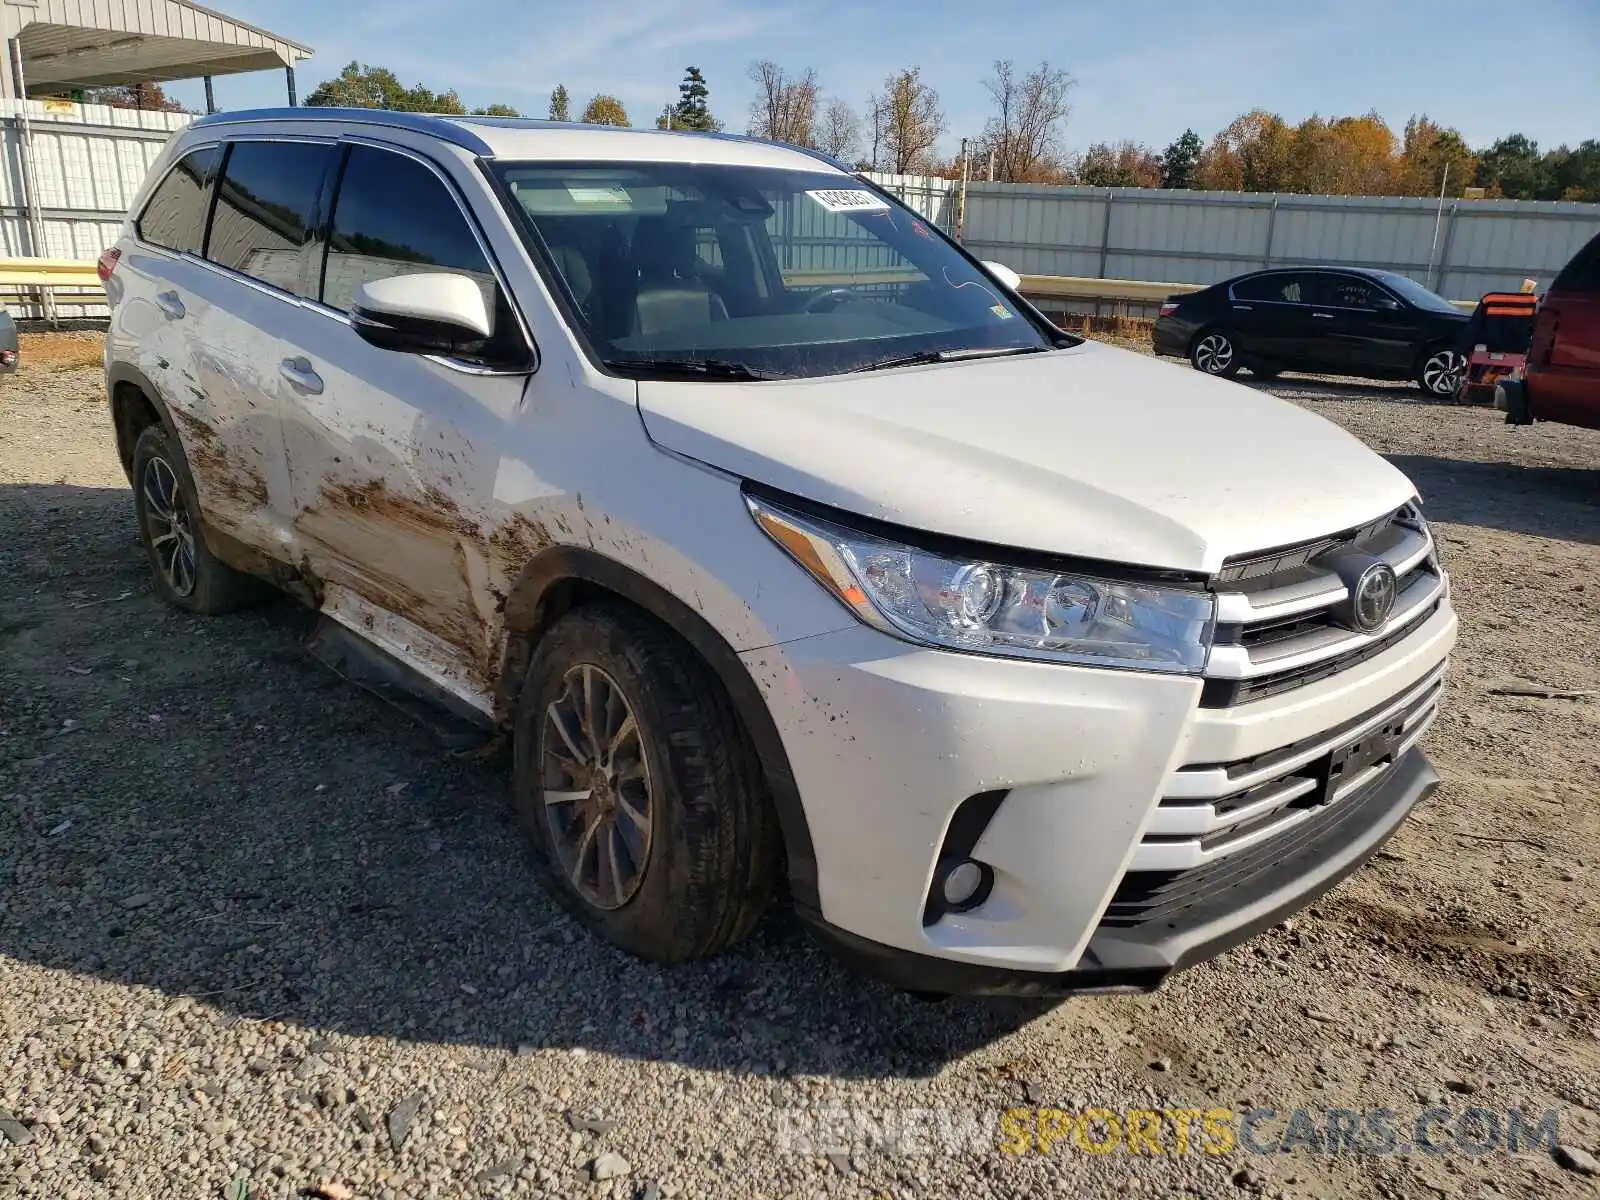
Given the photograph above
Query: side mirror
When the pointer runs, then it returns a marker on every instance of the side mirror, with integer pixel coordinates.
(432, 312)
(1004, 275)
(1388, 304)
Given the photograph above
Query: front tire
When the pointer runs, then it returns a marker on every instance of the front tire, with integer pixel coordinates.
(643, 797)
(1214, 353)
(1439, 373)
(187, 576)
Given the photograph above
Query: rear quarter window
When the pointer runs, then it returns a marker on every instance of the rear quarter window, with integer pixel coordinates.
(175, 216)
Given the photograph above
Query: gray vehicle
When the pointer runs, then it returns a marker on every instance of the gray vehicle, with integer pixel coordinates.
(10, 352)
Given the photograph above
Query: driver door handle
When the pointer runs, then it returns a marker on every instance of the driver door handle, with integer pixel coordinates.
(1323, 316)
(301, 376)
(171, 304)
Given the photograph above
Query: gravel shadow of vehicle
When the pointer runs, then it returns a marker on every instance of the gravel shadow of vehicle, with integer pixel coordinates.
(195, 806)
(1553, 502)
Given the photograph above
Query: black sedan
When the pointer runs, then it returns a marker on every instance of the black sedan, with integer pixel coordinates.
(1333, 321)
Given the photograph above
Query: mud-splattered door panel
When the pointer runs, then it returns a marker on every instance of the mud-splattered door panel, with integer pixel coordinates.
(393, 465)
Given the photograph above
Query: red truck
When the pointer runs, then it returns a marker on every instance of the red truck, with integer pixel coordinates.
(1561, 381)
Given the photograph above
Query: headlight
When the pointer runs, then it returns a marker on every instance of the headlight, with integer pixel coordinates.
(990, 608)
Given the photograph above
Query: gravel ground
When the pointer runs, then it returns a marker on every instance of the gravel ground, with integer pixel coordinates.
(261, 937)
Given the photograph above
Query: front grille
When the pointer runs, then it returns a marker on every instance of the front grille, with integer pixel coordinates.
(1223, 825)
(1214, 812)
(1278, 624)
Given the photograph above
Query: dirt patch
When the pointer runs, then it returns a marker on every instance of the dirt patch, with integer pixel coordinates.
(62, 351)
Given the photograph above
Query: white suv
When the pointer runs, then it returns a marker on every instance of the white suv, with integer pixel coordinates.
(790, 546)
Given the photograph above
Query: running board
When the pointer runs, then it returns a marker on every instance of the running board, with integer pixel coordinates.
(459, 725)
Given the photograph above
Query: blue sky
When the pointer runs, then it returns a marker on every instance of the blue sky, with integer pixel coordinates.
(1145, 69)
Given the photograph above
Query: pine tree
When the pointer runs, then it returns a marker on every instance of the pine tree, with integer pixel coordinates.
(559, 109)
(693, 111)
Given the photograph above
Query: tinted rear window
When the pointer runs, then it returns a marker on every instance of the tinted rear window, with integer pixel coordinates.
(266, 210)
(1582, 274)
(1285, 289)
(175, 217)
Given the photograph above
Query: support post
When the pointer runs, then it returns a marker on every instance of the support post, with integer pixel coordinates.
(288, 72)
(1444, 251)
(961, 204)
(30, 178)
(1105, 233)
(211, 98)
(1272, 221)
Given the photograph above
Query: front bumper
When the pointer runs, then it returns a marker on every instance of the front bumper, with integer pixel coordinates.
(1138, 959)
(887, 741)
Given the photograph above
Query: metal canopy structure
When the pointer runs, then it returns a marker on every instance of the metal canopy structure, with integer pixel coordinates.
(68, 44)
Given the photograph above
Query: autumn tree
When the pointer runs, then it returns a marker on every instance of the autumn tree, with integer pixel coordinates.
(150, 97)
(1251, 155)
(693, 110)
(363, 86)
(838, 133)
(906, 121)
(1431, 156)
(560, 106)
(1126, 164)
(785, 105)
(496, 110)
(1024, 134)
(605, 110)
(1181, 160)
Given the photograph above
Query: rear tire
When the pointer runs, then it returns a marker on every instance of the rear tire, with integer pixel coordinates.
(629, 756)
(187, 575)
(1439, 372)
(1213, 353)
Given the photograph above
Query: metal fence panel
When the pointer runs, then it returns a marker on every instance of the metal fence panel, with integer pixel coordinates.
(1463, 247)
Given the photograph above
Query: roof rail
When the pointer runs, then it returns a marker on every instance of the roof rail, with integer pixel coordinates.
(442, 127)
(747, 137)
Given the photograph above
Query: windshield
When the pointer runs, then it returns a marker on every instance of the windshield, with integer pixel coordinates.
(755, 272)
(1418, 295)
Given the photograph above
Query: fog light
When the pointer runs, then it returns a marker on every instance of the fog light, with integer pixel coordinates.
(964, 885)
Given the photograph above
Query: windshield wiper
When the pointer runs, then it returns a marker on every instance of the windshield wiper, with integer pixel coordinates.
(941, 356)
(695, 368)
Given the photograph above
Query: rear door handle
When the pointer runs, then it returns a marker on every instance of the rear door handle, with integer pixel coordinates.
(1323, 316)
(1242, 308)
(301, 376)
(171, 304)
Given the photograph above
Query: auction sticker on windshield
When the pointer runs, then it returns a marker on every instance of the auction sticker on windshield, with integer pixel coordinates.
(843, 200)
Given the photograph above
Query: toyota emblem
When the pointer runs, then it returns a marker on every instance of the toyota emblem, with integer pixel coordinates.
(1372, 598)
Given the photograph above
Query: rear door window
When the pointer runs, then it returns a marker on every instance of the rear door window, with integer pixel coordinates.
(175, 217)
(266, 211)
(1281, 288)
(394, 216)
(1582, 274)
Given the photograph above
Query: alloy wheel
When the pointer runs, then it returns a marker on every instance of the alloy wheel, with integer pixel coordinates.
(1214, 354)
(168, 526)
(1441, 374)
(598, 798)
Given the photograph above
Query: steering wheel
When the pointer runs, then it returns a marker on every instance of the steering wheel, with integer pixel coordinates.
(829, 299)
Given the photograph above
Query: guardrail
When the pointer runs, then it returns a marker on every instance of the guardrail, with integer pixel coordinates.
(59, 272)
(47, 272)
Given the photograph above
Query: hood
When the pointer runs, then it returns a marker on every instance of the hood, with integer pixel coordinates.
(1090, 452)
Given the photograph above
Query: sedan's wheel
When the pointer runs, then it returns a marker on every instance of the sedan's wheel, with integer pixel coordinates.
(1441, 373)
(1214, 354)
(186, 574)
(639, 789)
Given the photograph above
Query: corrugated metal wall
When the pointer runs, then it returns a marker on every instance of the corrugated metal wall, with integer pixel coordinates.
(89, 161)
(1200, 237)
